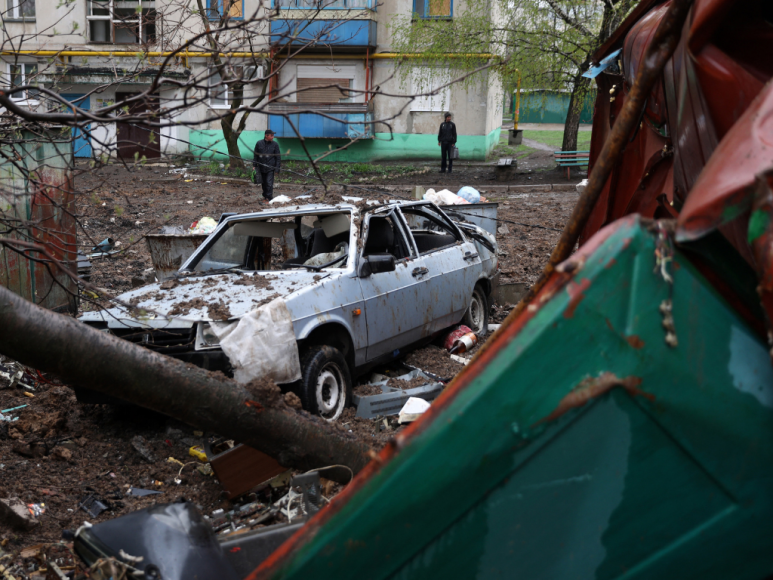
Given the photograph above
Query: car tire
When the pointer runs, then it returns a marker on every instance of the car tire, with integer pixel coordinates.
(476, 316)
(325, 382)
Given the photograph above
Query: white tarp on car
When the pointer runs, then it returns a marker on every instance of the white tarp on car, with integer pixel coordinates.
(261, 344)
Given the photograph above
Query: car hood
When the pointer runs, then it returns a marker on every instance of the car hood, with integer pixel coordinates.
(184, 301)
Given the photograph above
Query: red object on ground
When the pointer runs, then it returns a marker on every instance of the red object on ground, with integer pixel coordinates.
(450, 340)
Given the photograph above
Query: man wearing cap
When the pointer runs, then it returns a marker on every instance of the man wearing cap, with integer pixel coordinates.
(267, 161)
(446, 138)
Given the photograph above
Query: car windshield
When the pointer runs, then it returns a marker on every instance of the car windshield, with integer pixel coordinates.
(314, 241)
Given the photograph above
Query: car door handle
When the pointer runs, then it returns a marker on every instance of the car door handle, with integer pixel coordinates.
(419, 272)
(470, 256)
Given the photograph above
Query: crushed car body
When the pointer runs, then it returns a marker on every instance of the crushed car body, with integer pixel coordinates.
(313, 295)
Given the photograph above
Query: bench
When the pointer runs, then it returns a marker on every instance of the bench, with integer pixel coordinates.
(571, 159)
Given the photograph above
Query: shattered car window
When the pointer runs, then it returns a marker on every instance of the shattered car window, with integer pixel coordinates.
(430, 230)
(228, 251)
(281, 243)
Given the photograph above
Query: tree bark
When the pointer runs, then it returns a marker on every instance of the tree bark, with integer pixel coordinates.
(87, 357)
(576, 102)
(232, 142)
(614, 13)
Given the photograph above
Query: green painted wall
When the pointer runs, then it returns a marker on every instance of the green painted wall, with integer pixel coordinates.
(551, 107)
(385, 147)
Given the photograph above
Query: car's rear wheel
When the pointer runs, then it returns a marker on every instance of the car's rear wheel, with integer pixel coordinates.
(476, 316)
(325, 382)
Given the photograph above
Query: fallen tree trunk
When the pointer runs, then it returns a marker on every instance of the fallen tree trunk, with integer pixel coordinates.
(86, 357)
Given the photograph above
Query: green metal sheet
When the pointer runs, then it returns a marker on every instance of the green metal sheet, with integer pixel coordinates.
(670, 481)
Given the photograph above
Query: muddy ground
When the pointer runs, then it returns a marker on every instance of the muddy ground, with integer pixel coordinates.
(60, 452)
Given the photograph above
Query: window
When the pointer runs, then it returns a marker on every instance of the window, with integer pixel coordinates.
(426, 80)
(325, 4)
(325, 84)
(430, 230)
(220, 9)
(122, 21)
(21, 9)
(220, 94)
(433, 8)
(384, 237)
(20, 75)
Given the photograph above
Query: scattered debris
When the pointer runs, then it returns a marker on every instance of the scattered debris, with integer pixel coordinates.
(140, 446)
(459, 340)
(92, 505)
(413, 409)
(240, 468)
(145, 541)
(205, 225)
(17, 514)
(388, 399)
(137, 492)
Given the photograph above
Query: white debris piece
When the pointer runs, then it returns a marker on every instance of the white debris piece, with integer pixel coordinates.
(261, 344)
(280, 199)
(205, 225)
(582, 185)
(444, 197)
(413, 409)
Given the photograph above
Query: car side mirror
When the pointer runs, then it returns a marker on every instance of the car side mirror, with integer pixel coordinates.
(376, 264)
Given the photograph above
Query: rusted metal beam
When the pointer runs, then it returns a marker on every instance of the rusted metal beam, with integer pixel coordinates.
(659, 52)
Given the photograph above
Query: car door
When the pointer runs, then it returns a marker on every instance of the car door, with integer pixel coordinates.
(397, 304)
(452, 262)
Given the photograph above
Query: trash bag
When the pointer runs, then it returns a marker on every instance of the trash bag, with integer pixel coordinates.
(171, 541)
(444, 197)
(205, 225)
(469, 193)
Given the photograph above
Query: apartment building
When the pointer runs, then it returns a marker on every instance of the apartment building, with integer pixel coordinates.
(87, 51)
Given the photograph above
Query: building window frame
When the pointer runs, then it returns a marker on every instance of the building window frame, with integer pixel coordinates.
(15, 10)
(326, 76)
(220, 94)
(144, 26)
(433, 9)
(324, 4)
(19, 74)
(216, 9)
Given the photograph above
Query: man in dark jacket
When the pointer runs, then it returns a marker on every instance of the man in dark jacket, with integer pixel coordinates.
(446, 138)
(267, 161)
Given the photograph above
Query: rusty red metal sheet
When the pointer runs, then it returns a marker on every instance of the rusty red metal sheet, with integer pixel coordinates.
(718, 69)
(41, 200)
(722, 192)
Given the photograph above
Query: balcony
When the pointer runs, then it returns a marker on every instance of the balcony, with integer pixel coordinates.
(324, 4)
(324, 33)
(348, 120)
(337, 23)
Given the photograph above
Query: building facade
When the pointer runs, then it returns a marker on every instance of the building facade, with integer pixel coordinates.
(333, 77)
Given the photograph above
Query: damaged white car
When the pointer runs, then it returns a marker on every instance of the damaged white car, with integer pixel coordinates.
(311, 296)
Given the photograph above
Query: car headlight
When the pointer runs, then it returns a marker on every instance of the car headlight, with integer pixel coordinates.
(205, 337)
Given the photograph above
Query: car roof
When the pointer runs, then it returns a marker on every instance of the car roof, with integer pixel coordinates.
(290, 209)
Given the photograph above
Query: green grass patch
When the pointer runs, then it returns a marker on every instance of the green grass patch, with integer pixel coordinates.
(554, 139)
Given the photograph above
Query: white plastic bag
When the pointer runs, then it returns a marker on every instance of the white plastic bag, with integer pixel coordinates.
(205, 225)
(261, 344)
(444, 197)
(469, 193)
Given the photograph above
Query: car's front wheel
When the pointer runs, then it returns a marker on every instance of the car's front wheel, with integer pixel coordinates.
(476, 316)
(325, 382)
